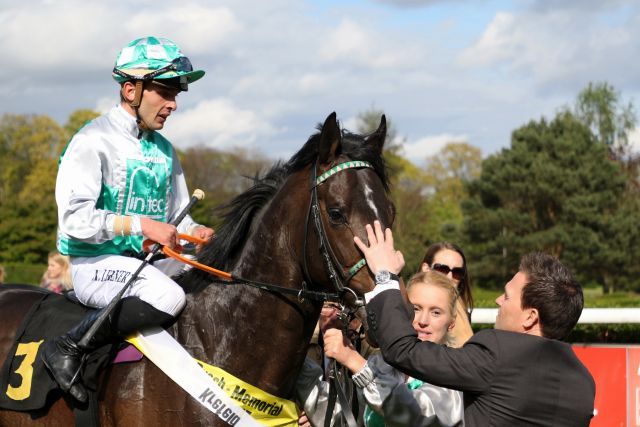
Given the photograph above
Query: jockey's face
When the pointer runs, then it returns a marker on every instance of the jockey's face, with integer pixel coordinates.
(158, 102)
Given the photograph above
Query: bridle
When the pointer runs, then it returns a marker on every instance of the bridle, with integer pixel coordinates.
(337, 276)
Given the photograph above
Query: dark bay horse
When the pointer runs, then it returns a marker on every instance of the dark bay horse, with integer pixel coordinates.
(294, 228)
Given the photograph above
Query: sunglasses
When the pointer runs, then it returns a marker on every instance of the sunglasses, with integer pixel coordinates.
(457, 272)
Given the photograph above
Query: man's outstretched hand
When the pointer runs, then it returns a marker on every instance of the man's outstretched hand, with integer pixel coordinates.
(380, 254)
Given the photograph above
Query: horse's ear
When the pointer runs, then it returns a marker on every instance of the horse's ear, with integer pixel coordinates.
(330, 138)
(377, 138)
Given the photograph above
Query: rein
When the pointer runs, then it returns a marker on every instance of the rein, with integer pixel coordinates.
(232, 280)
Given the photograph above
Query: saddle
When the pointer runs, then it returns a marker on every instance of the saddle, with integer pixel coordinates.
(25, 383)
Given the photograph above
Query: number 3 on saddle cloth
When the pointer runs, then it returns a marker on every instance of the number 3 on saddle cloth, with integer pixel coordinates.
(25, 383)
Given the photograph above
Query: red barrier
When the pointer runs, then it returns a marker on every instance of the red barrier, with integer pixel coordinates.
(616, 371)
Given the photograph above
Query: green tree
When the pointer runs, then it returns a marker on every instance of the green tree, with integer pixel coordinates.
(77, 120)
(407, 182)
(427, 200)
(599, 107)
(555, 190)
(30, 146)
(221, 175)
(446, 176)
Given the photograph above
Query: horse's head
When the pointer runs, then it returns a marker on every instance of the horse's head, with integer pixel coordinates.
(298, 221)
(349, 189)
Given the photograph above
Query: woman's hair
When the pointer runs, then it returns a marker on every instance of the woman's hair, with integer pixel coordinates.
(464, 287)
(63, 261)
(438, 280)
(1, 274)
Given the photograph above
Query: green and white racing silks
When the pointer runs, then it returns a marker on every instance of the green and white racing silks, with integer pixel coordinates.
(107, 171)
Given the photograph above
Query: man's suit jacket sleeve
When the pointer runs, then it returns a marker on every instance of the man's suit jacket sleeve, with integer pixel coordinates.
(470, 368)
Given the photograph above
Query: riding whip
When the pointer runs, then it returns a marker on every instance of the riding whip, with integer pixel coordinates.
(86, 338)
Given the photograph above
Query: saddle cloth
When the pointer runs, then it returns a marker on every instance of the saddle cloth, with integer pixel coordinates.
(25, 383)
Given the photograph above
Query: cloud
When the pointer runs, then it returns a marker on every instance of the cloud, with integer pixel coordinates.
(105, 104)
(65, 39)
(277, 68)
(217, 123)
(351, 43)
(55, 36)
(560, 47)
(197, 29)
(412, 3)
(418, 151)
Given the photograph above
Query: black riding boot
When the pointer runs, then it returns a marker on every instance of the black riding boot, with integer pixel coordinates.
(63, 356)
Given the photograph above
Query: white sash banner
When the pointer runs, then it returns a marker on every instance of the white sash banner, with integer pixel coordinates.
(168, 355)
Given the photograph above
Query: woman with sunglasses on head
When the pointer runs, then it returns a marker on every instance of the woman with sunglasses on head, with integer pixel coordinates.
(393, 398)
(448, 259)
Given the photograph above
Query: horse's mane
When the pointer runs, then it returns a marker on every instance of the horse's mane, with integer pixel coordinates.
(239, 213)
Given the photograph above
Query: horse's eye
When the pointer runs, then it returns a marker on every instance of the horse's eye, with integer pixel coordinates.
(336, 217)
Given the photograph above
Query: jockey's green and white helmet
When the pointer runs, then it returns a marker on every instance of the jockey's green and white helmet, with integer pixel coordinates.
(155, 58)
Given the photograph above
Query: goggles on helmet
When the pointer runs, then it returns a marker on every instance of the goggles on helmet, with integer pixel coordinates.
(181, 64)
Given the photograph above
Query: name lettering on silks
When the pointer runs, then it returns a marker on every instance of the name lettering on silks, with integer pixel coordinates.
(106, 275)
(219, 407)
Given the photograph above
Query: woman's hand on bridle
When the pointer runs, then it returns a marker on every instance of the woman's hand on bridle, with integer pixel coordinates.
(340, 348)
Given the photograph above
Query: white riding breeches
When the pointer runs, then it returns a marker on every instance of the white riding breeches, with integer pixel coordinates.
(96, 280)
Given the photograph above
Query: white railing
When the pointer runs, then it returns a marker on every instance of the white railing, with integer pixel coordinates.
(589, 315)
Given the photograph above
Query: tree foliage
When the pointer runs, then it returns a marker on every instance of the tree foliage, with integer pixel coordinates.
(221, 175)
(600, 108)
(427, 200)
(568, 186)
(30, 146)
(555, 190)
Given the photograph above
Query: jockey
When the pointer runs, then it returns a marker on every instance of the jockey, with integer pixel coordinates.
(120, 181)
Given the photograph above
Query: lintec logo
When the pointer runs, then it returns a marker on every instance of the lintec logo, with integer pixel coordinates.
(146, 191)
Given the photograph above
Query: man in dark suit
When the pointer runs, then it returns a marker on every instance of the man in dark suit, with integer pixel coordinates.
(518, 374)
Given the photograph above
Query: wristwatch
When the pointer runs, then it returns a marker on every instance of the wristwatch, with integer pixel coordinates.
(384, 276)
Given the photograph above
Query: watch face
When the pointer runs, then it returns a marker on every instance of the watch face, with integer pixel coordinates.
(382, 276)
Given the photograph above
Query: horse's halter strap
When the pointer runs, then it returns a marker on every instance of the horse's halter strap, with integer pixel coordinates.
(336, 276)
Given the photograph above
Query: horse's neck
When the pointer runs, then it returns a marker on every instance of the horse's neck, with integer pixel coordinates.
(257, 335)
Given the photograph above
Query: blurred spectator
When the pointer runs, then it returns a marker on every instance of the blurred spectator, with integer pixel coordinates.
(57, 278)
(1, 275)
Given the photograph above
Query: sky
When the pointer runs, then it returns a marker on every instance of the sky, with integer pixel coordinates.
(441, 70)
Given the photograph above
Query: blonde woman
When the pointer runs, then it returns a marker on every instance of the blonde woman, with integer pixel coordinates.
(448, 259)
(57, 277)
(393, 398)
